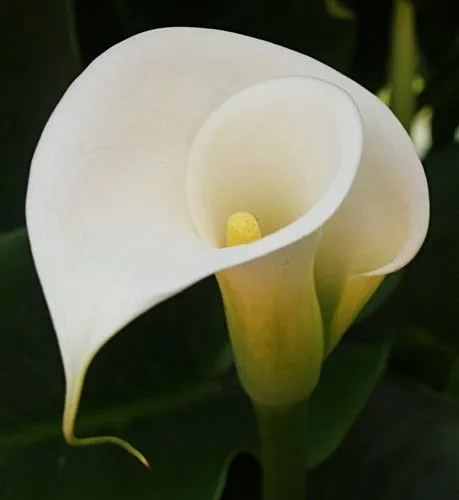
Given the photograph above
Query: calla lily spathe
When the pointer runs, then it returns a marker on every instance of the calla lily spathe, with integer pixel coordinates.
(160, 140)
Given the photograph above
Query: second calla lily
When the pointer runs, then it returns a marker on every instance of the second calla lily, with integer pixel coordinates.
(182, 153)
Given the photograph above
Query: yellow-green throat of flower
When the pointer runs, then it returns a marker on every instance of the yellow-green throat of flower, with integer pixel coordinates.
(242, 228)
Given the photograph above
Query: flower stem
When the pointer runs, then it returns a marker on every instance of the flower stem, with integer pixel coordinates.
(403, 61)
(283, 451)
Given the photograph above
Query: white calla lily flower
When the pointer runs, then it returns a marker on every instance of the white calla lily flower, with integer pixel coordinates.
(160, 141)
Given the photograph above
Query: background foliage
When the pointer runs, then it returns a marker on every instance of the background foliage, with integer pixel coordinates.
(384, 420)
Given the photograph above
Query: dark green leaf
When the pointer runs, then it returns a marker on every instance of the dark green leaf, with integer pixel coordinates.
(404, 446)
(346, 383)
(189, 448)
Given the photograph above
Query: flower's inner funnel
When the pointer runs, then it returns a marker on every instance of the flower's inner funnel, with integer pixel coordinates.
(272, 150)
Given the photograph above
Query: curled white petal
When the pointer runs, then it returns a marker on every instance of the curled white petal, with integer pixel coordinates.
(107, 211)
(283, 149)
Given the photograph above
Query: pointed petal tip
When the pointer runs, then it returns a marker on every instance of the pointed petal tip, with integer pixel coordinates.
(89, 441)
(73, 396)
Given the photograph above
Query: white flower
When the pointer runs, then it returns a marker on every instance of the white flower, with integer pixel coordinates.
(168, 134)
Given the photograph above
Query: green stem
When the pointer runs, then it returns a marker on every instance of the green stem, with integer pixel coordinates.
(403, 61)
(283, 451)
